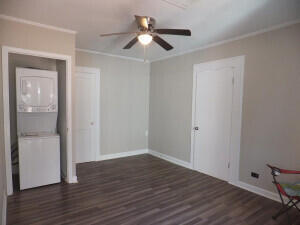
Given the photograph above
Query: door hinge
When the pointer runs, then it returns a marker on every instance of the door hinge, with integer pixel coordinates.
(232, 80)
(228, 165)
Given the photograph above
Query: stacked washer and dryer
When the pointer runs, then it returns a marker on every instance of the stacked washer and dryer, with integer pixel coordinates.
(38, 141)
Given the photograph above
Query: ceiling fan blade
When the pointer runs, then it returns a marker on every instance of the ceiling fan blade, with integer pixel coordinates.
(183, 32)
(131, 43)
(121, 33)
(162, 43)
(142, 21)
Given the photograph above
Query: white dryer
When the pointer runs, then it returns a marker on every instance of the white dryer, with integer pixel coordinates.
(37, 111)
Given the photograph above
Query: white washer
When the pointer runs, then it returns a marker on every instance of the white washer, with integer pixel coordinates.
(39, 159)
(37, 111)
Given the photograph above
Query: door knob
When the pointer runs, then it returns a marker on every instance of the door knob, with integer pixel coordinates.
(196, 128)
(92, 123)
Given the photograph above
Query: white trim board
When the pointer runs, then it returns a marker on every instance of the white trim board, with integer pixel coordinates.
(239, 184)
(170, 159)
(97, 72)
(147, 151)
(237, 63)
(254, 189)
(29, 22)
(85, 69)
(74, 180)
(257, 190)
(215, 44)
(123, 154)
(111, 55)
(4, 208)
(6, 50)
(276, 27)
(261, 31)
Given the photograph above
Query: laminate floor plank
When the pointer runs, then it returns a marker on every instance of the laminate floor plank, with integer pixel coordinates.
(141, 190)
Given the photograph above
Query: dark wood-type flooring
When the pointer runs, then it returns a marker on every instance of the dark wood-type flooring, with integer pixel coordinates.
(141, 190)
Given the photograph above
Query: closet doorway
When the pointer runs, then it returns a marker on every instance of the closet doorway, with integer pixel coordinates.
(65, 65)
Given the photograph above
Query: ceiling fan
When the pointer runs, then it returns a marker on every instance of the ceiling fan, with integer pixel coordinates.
(147, 33)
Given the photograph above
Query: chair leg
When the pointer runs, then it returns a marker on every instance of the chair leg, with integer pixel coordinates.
(289, 218)
(285, 208)
(295, 204)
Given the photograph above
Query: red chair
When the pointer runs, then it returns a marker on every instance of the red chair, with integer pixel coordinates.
(289, 190)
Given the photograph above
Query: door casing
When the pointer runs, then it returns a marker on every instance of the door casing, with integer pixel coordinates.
(95, 71)
(238, 64)
(6, 50)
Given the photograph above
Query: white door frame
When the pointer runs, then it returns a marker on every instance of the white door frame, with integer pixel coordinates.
(97, 154)
(6, 50)
(236, 124)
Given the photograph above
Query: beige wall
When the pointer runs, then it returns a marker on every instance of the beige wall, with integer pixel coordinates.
(25, 36)
(271, 103)
(270, 126)
(124, 103)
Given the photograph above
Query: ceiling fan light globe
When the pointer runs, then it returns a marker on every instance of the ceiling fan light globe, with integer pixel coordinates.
(145, 39)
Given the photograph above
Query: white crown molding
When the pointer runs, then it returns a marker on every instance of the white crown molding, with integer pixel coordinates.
(15, 19)
(276, 27)
(11, 18)
(111, 55)
(178, 4)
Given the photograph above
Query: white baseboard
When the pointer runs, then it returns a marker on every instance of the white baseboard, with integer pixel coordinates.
(73, 180)
(257, 190)
(170, 159)
(4, 207)
(123, 154)
(260, 191)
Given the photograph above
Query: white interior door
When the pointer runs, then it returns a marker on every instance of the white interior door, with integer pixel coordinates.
(213, 111)
(86, 127)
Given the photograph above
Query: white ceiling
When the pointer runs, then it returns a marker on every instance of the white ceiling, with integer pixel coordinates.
(209, 20)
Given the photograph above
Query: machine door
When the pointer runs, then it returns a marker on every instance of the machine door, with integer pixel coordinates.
(36, 93)
(39, 161)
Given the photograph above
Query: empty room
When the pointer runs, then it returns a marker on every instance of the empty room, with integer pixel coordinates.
(150, 112)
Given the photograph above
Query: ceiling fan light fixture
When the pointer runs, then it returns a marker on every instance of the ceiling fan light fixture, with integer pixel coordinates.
(145, 39)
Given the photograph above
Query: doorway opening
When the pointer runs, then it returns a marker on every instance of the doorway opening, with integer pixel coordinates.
(14, 59)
